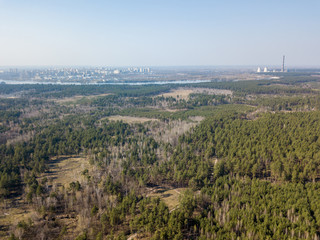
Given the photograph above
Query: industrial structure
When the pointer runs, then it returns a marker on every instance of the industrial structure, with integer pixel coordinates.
(265, 69)
(282, 70)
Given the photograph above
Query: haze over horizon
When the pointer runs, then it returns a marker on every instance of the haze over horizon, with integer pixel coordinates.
(166, 33)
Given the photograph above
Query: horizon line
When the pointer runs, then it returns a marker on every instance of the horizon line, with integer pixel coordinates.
(159, 66)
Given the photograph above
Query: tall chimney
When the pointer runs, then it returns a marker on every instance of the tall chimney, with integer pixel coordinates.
(282, 70)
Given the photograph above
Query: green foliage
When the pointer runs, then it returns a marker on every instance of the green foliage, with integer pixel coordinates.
(94, 210)
(247, 208)
(75, 186)
(205, 111)
(288, 84)
(288, 103)
(248, 176)
(12, 237)
(82, 236)
(59, 91)
(280, 147)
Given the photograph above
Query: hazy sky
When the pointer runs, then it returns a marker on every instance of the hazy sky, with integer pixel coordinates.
(159, 33)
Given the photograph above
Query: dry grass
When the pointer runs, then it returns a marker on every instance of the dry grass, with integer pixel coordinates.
(212, 91)
(75, 99)
(183, 93)
(180, 93)
(63, 170)
(171, 197)
(10, 215)
(169, 132)
(66, 169)
(128, 119)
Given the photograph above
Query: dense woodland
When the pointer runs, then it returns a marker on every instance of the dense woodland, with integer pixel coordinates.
(249, 162)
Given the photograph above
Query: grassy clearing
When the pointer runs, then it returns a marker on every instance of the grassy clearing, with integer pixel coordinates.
(128, 119)
(66, 169)
(180, 93)
(78, 99)
(212, 91)
(11, 213)
(63, 171)
(183, 93)
(171, 197)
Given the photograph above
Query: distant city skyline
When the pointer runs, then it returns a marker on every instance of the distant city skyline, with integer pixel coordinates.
(159, 33)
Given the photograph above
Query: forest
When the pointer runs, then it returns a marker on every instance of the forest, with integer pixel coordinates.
(214, 160)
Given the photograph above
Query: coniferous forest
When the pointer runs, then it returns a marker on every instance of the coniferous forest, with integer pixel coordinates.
(215, 160)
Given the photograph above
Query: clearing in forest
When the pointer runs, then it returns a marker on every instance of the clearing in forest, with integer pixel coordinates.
(180, 93)
(13, 211)
(128, 119)
(77, 98)
(63, 171)
(171, 196)
(170, 131)
(66, 169)
(183, 93)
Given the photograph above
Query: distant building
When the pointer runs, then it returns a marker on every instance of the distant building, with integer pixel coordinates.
(258, 70)
(282, 69)
(265, 69)
(116, 71)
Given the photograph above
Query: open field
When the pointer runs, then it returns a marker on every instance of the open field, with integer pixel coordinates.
(212, 91)
(170, 196)
(183, 93)
(128, 119)
(75, 99)
(66, 169)
(178, 93)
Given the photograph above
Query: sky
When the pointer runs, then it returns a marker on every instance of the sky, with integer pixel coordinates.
(159, 32)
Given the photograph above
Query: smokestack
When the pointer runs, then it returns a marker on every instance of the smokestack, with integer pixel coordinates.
(282, 70)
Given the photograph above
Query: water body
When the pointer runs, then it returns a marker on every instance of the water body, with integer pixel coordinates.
(156, 83)
(34, 82)
(108, 83)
